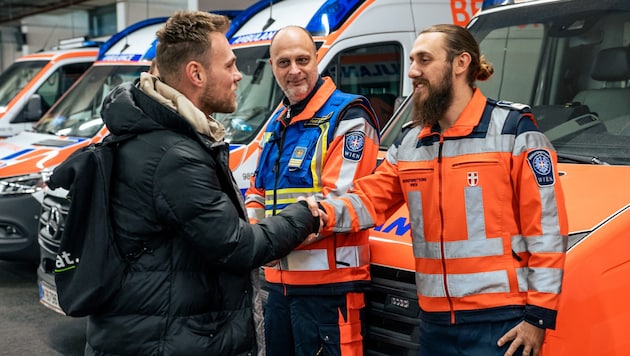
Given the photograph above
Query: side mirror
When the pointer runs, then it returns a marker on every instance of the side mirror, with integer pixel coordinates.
(32, 111)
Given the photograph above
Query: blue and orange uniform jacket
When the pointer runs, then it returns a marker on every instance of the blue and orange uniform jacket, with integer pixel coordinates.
(319, 150)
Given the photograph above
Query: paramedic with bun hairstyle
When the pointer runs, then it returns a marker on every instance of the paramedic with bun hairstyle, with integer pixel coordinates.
(486, 208)
(319, 141)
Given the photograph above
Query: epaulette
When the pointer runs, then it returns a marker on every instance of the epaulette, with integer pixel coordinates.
(512, 105)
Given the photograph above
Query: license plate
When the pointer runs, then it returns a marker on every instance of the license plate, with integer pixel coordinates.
(48, 297)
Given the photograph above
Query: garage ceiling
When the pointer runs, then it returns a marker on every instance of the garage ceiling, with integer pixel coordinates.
(11, 11)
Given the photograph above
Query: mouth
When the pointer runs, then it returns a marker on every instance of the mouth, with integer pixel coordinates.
(296, 82)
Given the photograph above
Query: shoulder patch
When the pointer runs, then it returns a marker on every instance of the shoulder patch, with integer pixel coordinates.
(512, 105)
(540, 162)
(353, 144)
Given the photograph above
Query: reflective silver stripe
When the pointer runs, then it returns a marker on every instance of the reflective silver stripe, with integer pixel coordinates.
(391, 154)
(420, 247)
(550, 223)
(461, 285)
(459, 249)
(305, 260)
(475, 217)
(352, 256)
(546, 243)
(255, 198)
(348, 167)
(518, 244)
(317, 260)
(521, 277)
(343, 219)
(256, 213)
(527, 140)
(545, 280)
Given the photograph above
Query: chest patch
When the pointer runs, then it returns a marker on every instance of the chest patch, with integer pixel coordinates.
(297, 157)
(354, 142)
(316, 121)
(541, 165)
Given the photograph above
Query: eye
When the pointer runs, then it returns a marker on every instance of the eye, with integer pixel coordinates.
(303, 61)
(283, 63)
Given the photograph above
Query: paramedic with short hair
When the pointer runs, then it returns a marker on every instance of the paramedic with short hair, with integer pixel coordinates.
(319, 141)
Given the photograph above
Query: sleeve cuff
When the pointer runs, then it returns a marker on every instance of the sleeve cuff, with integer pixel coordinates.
(541, 317)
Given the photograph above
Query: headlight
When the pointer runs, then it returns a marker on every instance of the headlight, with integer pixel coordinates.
(25, 184)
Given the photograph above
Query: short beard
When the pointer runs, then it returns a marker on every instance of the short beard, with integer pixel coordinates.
(431, 110)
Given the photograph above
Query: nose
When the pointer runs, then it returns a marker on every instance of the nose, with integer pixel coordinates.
(294, 68)
(414, 70)
(238, 75)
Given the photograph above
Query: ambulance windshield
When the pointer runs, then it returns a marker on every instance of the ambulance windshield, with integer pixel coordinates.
(15, 78)
(78, 113)
(258, 95)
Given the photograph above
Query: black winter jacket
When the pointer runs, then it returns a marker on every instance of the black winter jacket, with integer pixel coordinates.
(175, 204)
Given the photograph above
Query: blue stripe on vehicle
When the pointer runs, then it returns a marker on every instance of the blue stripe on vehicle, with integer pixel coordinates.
(17, 154)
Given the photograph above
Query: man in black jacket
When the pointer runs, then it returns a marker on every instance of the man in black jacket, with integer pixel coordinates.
(194, 290)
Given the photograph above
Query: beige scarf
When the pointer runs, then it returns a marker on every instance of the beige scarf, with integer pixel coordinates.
(170, 97)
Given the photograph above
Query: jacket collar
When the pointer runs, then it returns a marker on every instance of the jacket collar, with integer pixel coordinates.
(306, 109)
(467, 120)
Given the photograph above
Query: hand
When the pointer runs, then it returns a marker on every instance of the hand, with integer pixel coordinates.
(529, 336)
(311, 239)
(315, 210)
(272, 263)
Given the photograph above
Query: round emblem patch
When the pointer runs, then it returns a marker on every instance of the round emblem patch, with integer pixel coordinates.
(542, 167)
(353, 145)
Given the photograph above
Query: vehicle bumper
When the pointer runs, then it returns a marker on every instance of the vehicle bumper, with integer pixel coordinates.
(19, 216)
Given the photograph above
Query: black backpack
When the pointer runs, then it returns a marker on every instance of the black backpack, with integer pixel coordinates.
(89, 266)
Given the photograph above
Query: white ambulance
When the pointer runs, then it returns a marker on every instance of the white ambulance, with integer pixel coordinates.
(570, 61)
(30, 85)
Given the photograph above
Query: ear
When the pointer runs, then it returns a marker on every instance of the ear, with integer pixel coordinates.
(461, 63)
(270, 62)
(195, 73)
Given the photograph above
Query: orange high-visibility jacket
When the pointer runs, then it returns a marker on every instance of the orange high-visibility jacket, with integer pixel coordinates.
(328, 144)
(487, 214)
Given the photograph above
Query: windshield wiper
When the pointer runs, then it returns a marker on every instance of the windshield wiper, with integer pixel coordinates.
(581, 159)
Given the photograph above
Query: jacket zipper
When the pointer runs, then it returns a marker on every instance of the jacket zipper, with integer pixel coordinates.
(276, 167)
(276, 174)
(442, 251)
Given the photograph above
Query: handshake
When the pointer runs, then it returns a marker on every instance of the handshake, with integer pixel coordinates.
(311, 203)
(317, 212)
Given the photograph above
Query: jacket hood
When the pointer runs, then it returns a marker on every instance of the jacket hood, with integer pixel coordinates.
(129, 110)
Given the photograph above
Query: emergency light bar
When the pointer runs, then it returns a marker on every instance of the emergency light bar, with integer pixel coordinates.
(494, 3)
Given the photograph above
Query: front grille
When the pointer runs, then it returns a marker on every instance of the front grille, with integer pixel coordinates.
(392, 313)
(53, 214)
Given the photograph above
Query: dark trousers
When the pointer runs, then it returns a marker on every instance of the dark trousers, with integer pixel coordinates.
(474, 339)
(314, 325)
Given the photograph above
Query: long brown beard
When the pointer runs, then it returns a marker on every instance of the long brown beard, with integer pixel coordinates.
(433, 108)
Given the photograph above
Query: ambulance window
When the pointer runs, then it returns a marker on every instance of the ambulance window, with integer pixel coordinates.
(514, 53)
(374, 71)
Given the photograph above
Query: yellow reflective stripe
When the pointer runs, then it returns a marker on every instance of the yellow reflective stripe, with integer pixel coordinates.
(321, 149)
(288, 195)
